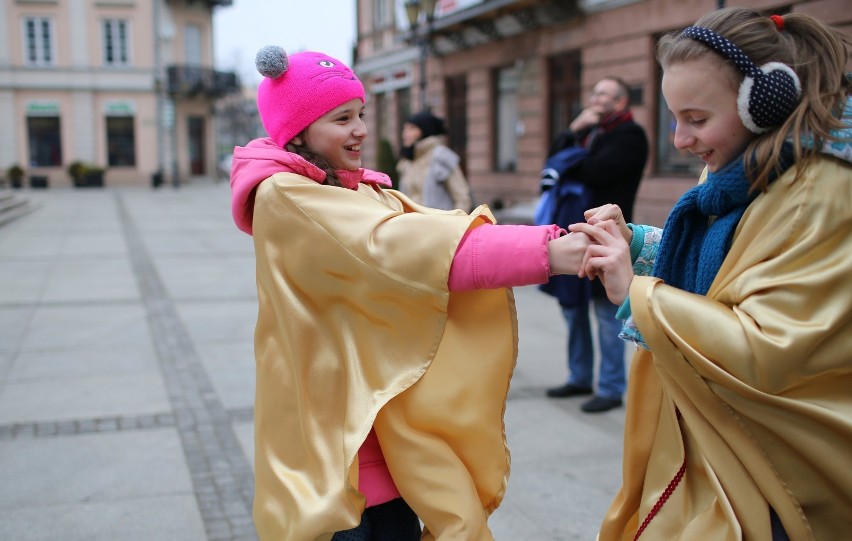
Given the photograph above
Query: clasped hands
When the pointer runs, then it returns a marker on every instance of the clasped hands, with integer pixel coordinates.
(598, 248)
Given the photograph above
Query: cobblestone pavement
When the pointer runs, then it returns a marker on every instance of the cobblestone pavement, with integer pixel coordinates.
(126, 381)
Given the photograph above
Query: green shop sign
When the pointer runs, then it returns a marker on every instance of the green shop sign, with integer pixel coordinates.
(42, 108)
(119, 108)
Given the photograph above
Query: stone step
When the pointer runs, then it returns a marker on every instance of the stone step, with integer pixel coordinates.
(13, 205)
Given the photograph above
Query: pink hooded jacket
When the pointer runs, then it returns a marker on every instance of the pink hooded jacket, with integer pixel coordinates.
(262, 158)
(488, 257)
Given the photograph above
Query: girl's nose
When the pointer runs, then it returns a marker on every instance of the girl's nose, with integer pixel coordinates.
(360, 128)
(683, 139)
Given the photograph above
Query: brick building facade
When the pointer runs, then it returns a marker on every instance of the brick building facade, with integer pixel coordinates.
(508, 75)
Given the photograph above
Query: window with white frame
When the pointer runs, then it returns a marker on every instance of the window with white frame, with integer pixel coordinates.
(192, 44)
(508, 80)
(403, 111)
(38, 41)
(380, 14)
(121, 141)
(116, 42)
(670, 160)
(564, 91)
(44, 141)
(380, 22)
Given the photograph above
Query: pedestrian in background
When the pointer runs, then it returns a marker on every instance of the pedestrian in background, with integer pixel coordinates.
(739, 415)
(610, 171)
(430, 173)
(386, 332)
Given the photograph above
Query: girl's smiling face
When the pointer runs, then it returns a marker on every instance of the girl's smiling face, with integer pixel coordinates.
(702, 96)
(338, 135)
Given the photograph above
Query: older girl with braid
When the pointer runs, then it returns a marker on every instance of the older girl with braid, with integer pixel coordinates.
(739, 417)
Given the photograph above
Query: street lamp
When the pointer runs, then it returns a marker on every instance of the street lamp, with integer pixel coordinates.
(413, 9)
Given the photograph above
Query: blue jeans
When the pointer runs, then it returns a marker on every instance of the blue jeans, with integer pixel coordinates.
(612, 379)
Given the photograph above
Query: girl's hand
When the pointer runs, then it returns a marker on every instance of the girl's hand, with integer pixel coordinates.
(609, 212)
(566, 253)
(608, 259)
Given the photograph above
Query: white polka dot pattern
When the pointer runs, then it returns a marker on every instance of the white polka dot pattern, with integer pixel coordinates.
(769, 92)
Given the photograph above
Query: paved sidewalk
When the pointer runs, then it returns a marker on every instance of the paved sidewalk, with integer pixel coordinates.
(127, 380)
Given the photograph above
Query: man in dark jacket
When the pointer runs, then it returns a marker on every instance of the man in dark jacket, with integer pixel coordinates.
(617, 152)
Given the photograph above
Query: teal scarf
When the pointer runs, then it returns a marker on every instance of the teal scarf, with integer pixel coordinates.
(692, 247)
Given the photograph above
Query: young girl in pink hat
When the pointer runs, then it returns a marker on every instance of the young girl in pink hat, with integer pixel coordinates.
(386, 332)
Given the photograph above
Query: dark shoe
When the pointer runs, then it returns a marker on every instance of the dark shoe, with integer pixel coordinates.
(599, 404)
(567, 390)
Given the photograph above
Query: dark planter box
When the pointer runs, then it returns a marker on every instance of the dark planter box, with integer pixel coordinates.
(38, 182)
(89, 180)
(94, 180)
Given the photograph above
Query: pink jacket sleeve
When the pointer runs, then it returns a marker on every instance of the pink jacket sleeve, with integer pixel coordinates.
(493, 256)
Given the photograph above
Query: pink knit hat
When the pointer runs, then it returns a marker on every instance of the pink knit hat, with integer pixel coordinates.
(298, 89)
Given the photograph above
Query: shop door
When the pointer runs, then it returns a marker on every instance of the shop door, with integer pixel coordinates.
(196, 145)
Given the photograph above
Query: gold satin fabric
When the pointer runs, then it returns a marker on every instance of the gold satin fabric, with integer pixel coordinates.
(355, 327)
(761, 372)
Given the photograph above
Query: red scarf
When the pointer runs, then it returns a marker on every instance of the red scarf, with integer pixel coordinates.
(608, 124)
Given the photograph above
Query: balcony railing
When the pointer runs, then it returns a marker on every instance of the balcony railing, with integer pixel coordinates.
(210, 3)
(195, 81)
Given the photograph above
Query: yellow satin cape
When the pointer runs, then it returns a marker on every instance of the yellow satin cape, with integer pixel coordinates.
(761, 372)
(356, 328)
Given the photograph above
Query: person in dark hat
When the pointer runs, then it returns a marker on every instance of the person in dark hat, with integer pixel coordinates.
(429, 170)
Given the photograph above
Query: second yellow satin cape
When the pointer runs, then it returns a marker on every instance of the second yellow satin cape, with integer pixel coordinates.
(760, 370)
(356, 328)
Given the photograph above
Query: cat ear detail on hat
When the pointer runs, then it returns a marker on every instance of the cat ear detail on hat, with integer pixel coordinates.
(271, 61)
(297, 89)
(768, 93)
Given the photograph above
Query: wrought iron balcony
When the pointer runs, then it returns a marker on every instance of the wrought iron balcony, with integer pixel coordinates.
(462, 27)
(191, 81)
(210, 3)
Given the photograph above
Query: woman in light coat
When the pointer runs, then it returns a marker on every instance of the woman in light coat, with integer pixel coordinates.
(429, 171)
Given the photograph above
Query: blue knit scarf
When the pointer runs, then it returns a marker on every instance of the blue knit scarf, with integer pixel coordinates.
(692, 247)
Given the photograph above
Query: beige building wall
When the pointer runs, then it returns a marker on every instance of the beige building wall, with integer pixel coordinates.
(82, 90)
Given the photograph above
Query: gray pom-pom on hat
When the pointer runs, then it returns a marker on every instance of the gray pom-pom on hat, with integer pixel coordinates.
(271, 61)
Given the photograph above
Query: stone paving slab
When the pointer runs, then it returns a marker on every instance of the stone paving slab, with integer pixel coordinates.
(85, 325)
(220, 321)
(92, 467)
(207, 276)
(29, 278)
(58, 399)
(29, 244)
(14, 319)
(64, 363)
(90, 280)
(94, 243)
(162, 517)
(231, 369)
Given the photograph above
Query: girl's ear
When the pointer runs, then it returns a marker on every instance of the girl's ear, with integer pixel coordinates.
(297, 140)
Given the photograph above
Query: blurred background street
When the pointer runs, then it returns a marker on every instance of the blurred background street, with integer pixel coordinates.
(127, 380)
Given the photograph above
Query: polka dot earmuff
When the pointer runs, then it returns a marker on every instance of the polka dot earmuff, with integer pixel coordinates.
(768, 93)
